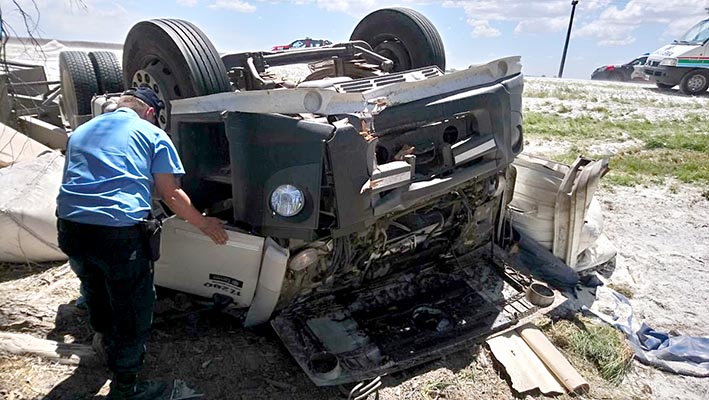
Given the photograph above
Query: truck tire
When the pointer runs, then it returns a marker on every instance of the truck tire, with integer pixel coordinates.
(109, 73)
(174, 58)
(403, 35)
(78, 85)
(664, 86)
(694, 82)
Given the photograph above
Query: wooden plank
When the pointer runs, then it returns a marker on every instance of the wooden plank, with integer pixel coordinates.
(63, 353)
(50, 135)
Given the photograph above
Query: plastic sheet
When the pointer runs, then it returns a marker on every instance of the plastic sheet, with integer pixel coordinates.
(685, 355)
(27, 204)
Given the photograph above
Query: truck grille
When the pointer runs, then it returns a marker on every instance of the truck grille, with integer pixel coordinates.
(364, 84)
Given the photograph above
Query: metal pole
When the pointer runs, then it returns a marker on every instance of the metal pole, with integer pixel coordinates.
(568, 35)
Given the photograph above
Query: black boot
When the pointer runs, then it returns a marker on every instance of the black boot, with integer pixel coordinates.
(127, 387)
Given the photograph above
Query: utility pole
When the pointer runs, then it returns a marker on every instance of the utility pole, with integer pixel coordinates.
(568, 35)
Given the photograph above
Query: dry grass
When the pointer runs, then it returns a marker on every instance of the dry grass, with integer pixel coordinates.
(623, 289)
(602, 346)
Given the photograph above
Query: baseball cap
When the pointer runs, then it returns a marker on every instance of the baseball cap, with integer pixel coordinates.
(148, 96)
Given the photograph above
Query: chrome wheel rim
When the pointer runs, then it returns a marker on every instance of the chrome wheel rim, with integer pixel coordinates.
(696, 82)
(148, 77)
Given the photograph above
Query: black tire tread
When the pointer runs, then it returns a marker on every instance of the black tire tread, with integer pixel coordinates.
(214, 72)
(109, 72)
(431, 39)
(199, 54)
(683, 82)
(82, 82)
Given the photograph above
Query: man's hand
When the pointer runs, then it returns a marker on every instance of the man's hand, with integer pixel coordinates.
(212, 227)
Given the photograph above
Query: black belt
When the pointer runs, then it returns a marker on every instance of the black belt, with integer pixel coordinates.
(107, 232)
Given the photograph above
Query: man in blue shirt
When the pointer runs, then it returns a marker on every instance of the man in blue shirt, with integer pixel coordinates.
(113, 164)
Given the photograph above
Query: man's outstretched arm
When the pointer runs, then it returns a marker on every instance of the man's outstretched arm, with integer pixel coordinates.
(180, 204)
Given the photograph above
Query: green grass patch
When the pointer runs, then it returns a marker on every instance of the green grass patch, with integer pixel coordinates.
(654, 165)
(600, 345)
(561, 93)
(678, 148)
(673, 132)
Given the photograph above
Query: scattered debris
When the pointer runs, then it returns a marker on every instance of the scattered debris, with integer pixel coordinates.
(181, 391)
(685, 355)
(532, 362)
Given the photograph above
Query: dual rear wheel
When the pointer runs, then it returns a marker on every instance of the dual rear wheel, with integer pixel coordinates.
(82, 76)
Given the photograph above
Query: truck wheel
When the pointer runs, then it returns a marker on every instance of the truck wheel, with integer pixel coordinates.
(664, 86)
(109, 73)
(78, 85)
(694, 82)
(175, 59)
(403, 35)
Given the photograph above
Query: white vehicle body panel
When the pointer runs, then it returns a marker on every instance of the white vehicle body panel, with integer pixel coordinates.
(190, 262)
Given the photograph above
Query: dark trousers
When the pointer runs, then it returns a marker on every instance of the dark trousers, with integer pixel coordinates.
(117, 277)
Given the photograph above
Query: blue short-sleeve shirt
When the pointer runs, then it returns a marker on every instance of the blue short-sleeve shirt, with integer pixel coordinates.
(110, 162)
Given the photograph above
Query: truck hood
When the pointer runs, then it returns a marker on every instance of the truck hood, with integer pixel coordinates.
(676, 50)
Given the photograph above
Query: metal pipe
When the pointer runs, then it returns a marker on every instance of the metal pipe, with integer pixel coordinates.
(568, 35)
(16, 63)
(51, 95)
(302, 56)
(347, 49)
(36, 83)
(254, 72)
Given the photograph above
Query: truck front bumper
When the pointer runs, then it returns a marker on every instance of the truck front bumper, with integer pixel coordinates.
(664, 74)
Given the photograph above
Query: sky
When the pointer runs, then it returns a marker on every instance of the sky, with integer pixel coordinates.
(604, 31)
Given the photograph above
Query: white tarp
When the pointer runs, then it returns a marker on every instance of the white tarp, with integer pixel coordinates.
(28, 230)
(47, 53)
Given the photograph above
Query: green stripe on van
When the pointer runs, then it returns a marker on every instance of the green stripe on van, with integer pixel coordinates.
(692, 62)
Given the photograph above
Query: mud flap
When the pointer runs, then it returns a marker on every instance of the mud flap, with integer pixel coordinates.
(403, 321)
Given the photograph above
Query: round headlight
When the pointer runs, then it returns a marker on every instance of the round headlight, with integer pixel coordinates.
(287, 200)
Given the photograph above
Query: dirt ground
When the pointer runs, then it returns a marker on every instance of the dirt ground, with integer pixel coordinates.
(661, 234)
(662, 237)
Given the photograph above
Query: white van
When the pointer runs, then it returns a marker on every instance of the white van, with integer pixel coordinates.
(685, 62)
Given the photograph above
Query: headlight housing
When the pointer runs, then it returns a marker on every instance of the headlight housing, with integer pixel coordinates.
(287, 200)
(669, 62)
